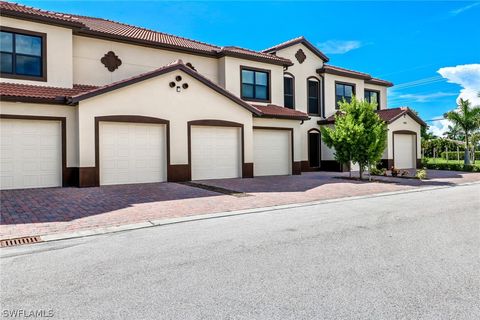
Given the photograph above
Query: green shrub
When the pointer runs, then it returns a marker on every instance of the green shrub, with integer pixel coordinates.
(452, 167)
(421, 174)
(452, 155)
(377, 172)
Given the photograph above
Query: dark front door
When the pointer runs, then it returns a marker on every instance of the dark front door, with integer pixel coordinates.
(314, 149)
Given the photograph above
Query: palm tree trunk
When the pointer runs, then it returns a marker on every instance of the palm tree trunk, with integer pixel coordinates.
(466, 157)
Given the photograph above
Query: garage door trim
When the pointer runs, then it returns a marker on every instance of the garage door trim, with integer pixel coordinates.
(247, 168)
(128, 119)
(293, 170)
(413, 133)
(63, 122)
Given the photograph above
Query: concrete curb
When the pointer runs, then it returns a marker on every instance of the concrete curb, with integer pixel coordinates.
(164, 222)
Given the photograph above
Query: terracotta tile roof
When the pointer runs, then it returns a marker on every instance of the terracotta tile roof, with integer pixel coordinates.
(295, 41)
(334, 70)
(274, 111)
(380, 82)
(112, 28)
(26, 11)
(387, 115)
(83, 25)
(242, 52)
(353, 74)
(39, 94)
(284, 44)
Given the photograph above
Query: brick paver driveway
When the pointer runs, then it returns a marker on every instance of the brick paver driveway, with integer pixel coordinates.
(57, 210)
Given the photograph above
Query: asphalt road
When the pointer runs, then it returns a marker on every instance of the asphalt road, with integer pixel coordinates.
(407, 256)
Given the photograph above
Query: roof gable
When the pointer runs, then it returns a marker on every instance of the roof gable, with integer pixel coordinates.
(299, 40)
(387, 115)
(177, 65)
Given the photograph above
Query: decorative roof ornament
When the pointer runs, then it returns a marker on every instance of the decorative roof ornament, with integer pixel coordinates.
(111, 61)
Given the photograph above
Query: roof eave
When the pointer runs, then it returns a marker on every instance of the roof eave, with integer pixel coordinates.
(41, 19)
(285, 62)
(284, 117)
(379, 82)
(412, 115)
(57, 100)
(343, 74)
(325, 121)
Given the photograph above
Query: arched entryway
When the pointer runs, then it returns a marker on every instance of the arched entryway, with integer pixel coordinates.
(314, 148)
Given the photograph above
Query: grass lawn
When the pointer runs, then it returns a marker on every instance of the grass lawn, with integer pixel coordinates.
(441, 160)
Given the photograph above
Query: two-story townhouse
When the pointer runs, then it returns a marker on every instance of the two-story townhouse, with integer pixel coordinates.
(89, 102)
(315, 87)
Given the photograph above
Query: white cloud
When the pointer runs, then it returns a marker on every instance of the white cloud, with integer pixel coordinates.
(439, 127)
(339, 46)
(425, 97)
(468, 77)
(465, 8)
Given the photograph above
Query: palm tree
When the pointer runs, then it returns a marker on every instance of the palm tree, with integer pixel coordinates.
(453, 132)
(467, 118)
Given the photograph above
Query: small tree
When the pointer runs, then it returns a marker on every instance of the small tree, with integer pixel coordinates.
(467, 118)
(359, 135)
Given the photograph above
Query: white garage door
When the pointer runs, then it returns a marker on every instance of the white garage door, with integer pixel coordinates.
(216, 152)
(271, 152)
(404, 151)
(132, 153)
(31, 154)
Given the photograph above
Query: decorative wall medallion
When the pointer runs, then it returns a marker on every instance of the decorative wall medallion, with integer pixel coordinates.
(188, 64)
(300, 55)
(111, 61)
(178, 86)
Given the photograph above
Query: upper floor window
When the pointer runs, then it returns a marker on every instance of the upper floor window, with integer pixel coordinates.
(373, 96)
(255, 84)
(313, 95)
(22, 54)
(343, 91)
(288, 91)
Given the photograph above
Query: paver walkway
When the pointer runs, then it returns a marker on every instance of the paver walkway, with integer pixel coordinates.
(58, 210)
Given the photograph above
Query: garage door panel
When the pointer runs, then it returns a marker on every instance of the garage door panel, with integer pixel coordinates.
(31, 154)
(215, 152)
(272, 152)
(132, 153)
(404, 152)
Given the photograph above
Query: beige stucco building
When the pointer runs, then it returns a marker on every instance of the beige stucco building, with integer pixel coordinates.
(88, 102)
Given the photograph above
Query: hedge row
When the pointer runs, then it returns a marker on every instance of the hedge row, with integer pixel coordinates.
(452, 155)
(452, 167)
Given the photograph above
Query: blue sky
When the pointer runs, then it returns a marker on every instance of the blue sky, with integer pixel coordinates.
(406, 42)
